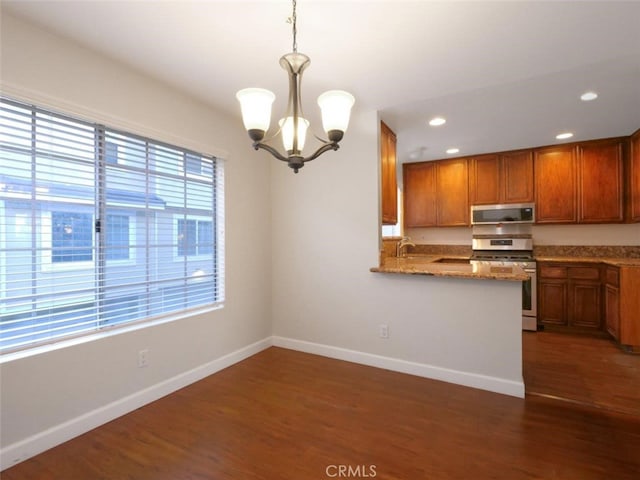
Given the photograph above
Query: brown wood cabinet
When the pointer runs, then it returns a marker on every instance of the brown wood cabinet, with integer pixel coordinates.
(612, 301)
(594, 181)
(452, 192)
(436, 193)
(569, 295)
(600, 181)
(552, 301)
(419, 194)
(485, 179)
(580, 183)
(622, 305)
(501, 178)
(633, 179)
(585, 303)
(389, 187)
(555, 184)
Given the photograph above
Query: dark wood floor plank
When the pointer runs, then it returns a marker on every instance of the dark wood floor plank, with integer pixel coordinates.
(288, 415)
(583, 369)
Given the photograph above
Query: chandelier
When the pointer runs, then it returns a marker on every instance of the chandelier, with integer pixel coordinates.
(255, 104)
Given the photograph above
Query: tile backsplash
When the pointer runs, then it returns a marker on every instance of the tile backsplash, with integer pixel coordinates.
(598, 251)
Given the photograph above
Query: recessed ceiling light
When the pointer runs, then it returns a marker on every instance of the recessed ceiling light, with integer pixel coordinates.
(564, 136)
(437, 121)
(453, 150)
(588, 96)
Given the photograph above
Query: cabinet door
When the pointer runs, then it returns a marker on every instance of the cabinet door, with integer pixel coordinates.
(555, 185)
(612, 310)
(585, 309)
(634, 178)
(452, 186)
(484, 180)
(552, 302)
(517, 177)
(389, 182)
(600, 181)
(419, 184)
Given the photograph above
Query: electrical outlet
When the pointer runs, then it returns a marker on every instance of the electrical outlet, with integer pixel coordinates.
(384, 331)
(143, 358)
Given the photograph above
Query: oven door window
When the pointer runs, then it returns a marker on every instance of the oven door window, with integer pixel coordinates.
(527, 295)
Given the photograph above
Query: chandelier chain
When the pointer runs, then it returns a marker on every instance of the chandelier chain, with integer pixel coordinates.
(295, 30)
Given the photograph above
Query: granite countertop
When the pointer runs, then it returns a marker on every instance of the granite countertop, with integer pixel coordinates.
(427, 265)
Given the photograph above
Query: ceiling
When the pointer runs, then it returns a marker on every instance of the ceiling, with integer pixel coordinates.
(505, 74)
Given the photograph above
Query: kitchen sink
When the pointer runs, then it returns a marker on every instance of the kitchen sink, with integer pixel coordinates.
(452, 260)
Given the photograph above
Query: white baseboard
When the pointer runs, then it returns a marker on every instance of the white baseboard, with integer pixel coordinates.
(47, 439)
(474, 380)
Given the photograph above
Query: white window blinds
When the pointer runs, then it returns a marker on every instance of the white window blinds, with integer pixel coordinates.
(100, 228)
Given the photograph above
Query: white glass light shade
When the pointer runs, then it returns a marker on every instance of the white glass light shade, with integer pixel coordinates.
(286, 124)
(336, 109)
(255, 104)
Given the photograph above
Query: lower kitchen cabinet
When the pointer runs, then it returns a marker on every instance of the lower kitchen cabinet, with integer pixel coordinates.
(622, 305)
(552, 301)
(612, 301)
(592, 297)
(633, 178)
(569, 295)
(585, 303)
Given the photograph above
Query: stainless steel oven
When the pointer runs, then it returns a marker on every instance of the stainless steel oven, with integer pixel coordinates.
(507, 245)
(529, 297)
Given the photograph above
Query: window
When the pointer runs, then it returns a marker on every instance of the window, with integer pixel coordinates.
(117, 234)
(194, 237)
(111, 152)
(194, 165)
(89, 217)
(71, 237)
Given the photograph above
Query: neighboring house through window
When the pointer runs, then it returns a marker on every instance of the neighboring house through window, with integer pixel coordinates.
(89, 217)
(71, 237)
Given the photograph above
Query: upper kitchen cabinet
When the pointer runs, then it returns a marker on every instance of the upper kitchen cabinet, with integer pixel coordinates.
(389, 186)
(555, 184)
(485, 179)
(452, 192)
(633, 176)
(580, 183)
(600, 181)
(419, 194)
(501, 178)
(436, 193)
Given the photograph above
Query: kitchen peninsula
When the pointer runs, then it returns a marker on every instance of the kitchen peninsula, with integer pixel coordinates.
(440, 266)
(441, 304)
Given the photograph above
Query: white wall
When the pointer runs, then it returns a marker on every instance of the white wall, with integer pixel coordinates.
(325, 300)
(51, 394)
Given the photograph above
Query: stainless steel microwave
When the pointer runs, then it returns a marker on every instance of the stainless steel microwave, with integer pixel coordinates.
(508, 213)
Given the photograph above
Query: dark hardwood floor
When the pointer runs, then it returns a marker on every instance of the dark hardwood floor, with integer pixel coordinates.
(288, 415)
(586, 370)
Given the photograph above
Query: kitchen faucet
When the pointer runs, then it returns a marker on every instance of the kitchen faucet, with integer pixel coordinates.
(405, 242)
